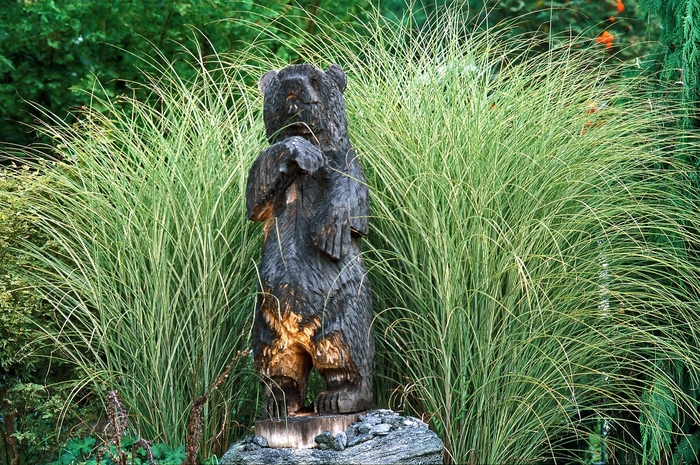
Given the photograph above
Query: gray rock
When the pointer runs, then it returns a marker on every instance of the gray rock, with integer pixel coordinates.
(360, 439)
(325, 440)
(384, 411)
(341, 441)
(381, 429)
(364, 428)
(388, 439)
(252, 443)
(352, 432)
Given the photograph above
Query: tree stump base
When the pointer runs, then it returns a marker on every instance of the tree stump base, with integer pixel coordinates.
(299, 431)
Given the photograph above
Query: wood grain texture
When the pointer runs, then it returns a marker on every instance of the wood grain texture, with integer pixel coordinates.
(300, 431)
(314, 306)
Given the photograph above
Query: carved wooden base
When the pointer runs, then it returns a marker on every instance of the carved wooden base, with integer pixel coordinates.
(299, 431)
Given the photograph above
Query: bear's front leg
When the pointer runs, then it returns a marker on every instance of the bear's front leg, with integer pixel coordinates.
(343, 213)
(274, 171)
(331, 228)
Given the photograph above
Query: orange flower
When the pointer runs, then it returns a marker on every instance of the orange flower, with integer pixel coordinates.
(620, 6)
(605, 39)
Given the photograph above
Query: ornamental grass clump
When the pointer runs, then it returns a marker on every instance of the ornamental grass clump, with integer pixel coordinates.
(533, 245)
(531, 238)
(150, 268)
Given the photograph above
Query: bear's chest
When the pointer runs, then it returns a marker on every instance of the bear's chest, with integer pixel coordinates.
(289, 231)
(303, 197)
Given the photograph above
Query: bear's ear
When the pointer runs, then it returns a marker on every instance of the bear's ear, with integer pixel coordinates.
(336, 73)
(265, 80)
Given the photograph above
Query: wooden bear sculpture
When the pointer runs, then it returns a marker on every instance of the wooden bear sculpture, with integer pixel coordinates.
(315, 304)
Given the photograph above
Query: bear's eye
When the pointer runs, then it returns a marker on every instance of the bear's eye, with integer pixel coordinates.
(314, 82)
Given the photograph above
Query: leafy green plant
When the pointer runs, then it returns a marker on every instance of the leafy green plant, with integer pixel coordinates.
(656, 420)
(35, 391)
(677, 63)
(34, 417)
(680, 48)
(119, 448)
(19, 305)
(85, 451)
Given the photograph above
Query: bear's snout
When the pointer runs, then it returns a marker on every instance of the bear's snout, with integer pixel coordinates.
(292, 105)
(299, 90)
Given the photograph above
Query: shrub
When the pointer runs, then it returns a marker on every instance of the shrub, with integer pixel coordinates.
(37, 401)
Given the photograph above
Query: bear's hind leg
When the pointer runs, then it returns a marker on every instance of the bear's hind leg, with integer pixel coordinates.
(282, 397)
(285, 388)
(345, 393)
(343, 349)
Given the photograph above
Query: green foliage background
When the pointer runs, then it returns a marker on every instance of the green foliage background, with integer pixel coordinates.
(549, 19)
(54, 52)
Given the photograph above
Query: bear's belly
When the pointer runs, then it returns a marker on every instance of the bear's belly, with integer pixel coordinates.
(297, 271)
(301, 278)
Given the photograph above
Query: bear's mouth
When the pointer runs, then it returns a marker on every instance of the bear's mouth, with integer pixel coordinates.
(298, 129)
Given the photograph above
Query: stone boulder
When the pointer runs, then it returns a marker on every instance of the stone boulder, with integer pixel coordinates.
(379, 437)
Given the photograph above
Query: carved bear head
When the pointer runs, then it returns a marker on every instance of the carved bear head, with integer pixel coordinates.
(302, 100)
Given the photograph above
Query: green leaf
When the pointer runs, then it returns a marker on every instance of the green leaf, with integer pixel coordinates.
(84, 445)
(5, 64)
(175, 456)
(656, 420)
(688, 450)
(68, 458)
(213, 460)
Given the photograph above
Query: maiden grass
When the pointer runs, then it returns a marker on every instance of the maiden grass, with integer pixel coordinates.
(529, 250)
(530, 246)
(151, 273)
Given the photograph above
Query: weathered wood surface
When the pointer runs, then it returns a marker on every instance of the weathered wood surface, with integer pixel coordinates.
(299, 432)
(380, 438)
(314, 306)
